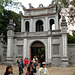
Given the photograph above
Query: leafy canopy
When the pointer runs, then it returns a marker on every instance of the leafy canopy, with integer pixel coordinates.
(70, 4)
(5, 16)
(4, 3)
(71, 39)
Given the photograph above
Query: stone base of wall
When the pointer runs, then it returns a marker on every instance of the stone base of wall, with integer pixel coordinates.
(65, 62)
(9, 61)
(56, 61)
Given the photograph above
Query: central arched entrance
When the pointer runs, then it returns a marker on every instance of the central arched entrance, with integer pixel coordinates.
(37, 48)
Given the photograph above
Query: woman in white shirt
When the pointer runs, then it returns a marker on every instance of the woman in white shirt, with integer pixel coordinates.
(43, 70)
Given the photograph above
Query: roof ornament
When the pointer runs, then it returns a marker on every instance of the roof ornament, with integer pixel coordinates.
(20, 12)
(10, 22)
(63, 18)
(23, 6)
(41, 5)
(30, 6)
(54, 2)
(63, 23)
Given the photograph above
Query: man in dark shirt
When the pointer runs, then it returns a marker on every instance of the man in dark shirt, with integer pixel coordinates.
(41, 60)
(20, 65)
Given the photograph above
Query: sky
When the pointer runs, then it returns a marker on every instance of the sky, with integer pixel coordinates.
(35, 3)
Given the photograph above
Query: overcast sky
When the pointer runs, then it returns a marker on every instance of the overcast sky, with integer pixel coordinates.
(35, 3)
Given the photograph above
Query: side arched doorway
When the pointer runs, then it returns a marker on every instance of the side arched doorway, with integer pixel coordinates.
(37, 48)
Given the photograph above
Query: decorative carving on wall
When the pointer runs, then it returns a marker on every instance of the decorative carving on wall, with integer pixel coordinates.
(20, 50)
(56, 49)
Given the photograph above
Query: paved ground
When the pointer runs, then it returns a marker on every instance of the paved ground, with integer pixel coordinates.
(52, 70)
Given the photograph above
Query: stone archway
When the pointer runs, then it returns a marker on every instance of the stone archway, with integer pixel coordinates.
(52, 24)
(27, 26)
(39, 26)
(37, 48)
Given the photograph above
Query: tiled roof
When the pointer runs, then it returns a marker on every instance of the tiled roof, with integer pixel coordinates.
(40, 15)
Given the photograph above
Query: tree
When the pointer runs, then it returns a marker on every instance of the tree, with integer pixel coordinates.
(69, 7)
(9, 3)
(4, 3)
(71, 39)
(5, 16)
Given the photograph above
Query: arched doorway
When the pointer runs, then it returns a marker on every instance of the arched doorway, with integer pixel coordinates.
(39, 26)
(52, 24)
(27, 26)
(37, 48)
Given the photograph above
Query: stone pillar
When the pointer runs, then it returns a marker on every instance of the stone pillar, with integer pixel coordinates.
(46, 25)
(1, 48)
(31, 25)
(22, 25)
(15, 51)
(49, 50)
(24, 48)
(56, 22)
(10, 35)
(64, 42)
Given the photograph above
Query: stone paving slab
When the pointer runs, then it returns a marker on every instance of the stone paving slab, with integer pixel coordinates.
(51, 70)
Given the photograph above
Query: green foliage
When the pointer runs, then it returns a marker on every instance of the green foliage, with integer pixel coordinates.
(65, 3)
(1, 8)
(4, 3)
(71, 39)
(5, 16)
(72, 3)
(71, 13)
(17, 20)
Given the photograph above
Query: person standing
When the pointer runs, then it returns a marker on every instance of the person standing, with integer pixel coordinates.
(35, 61)
(9, 70)
(41, 60)
(43, 70)
(33, 68)
(25, 61)
(29, 70)
(20, 65)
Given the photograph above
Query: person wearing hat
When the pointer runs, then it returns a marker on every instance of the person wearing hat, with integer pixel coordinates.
(43, 70)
